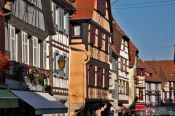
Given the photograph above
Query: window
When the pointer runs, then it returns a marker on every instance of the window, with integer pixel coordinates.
(36, 52)
(149, 86)
(60, 18)
(24, 48)
(100, 38)
(114, 64)
(127, 88)
(100, 77)
(106, 43)
(92, 34)
(77, 30)
(101, 6)
(66, 22)
(124, 65)
(91, 75)
(157, 86)
(44, 54)
(13, 46)
(140, 94)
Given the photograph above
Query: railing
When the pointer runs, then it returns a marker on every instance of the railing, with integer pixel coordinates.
(60, 91)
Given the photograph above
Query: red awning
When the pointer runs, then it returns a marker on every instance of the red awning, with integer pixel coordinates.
(140, 108)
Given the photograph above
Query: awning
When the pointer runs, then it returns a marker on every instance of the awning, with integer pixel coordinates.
(7, 99)
(43, 103)
(140, 108)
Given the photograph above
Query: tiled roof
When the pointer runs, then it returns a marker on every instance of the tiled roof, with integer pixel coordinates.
(154, 77)
(164, 68)
(141, 64)
(117, 36)
(132, 53)
(84, 9)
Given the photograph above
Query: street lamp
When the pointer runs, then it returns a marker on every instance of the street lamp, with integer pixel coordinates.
(61, 62)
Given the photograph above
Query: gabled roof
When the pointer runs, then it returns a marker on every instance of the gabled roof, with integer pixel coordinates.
(164, 68)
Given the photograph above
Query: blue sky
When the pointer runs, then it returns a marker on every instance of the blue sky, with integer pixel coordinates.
(151, 26)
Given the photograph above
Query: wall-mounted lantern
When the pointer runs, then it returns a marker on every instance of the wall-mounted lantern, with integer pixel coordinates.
(61, 62)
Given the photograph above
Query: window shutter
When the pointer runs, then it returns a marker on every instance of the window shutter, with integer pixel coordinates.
(13, 43)
(106, 44)
(106, 79)
(92, 34)
(66, 70)
(99, 39)
(44, 54)
(35, 51)
(125, 65)
(91, 75)
(121, 63)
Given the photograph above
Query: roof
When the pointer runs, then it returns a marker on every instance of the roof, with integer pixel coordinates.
(164, 68)
(84, 9)
(154, 77)
(117, 37)
(132, 53)
(141, 64)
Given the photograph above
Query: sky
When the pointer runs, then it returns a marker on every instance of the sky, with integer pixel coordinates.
(150, 24)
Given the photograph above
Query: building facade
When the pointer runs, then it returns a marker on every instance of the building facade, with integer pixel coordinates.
(165, 69)
(89, 68)
(123, 71)
(58, 49)
(133, 60)
(24, 42)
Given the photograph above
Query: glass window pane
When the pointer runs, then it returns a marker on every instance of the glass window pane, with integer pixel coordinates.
(77, 30)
